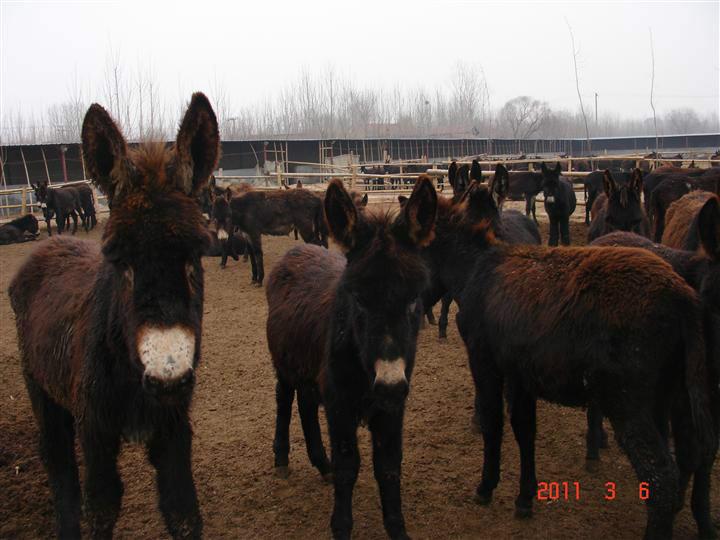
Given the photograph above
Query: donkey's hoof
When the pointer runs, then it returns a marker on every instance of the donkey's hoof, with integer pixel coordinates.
(523, 512)
(708, 532)
(592, 465)
(483, 499)
(282, 472)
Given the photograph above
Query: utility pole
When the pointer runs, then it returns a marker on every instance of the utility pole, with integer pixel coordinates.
(596, 94)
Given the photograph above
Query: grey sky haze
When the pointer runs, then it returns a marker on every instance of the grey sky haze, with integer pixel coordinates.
(253, 49)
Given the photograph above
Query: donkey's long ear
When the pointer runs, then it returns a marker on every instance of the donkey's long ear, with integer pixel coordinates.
(419, 213)
(709, 228)
(609, 184)
(636, 181)
(105, 151)
(341, 215)
(543, 167)
(198, 145)
(558, 168)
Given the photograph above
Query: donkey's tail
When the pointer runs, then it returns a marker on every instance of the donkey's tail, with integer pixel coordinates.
(697, 385)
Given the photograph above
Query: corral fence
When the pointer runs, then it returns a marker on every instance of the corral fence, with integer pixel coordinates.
(20, 200)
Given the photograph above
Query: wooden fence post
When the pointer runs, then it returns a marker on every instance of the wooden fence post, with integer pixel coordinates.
(24, 201)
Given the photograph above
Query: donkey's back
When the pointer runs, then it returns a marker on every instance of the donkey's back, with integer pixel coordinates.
(50, 294)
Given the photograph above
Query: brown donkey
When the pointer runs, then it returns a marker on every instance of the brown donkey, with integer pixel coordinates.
(110, 335)
(577, 326)
(346, 328)
(256, 213)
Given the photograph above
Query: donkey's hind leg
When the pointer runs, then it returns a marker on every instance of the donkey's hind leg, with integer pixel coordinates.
(74, 216)
(691, 462)
(284, 395)
(489, 404)
(57, 448)
(170, 454)
(523, 421)
(637, 434)
(444, 313)
(308, 409)
(596, 437)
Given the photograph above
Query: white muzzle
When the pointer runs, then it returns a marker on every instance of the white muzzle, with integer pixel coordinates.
(166, 353)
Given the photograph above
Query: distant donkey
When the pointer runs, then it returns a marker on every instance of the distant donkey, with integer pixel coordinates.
(345, 328)
(277, 213)
(109, 335)
(560, 204)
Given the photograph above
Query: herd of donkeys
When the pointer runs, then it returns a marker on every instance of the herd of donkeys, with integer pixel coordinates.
(109, 333)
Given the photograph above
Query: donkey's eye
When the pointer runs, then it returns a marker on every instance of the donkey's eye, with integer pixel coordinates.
(411, 306)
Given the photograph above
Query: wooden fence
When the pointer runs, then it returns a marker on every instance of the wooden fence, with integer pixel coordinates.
(349, 173)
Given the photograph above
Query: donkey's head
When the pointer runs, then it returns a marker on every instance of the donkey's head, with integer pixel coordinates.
(382, 282)
(154, 239)
(551, 182)
(41, 190)
(500, 185)
(624, 209)
(221, 215)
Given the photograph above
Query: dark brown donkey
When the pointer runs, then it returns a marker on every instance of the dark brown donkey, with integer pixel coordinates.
(577, 326)
(620, 207)
(110, 335)
(276, 213)
(347, 327)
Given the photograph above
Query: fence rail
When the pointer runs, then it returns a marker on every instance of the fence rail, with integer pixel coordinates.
(352, 176)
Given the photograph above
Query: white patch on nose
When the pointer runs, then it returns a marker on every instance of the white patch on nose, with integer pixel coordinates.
(166, 353)
(550, 199)
(43, 205)
(390, 371)
(222, 234)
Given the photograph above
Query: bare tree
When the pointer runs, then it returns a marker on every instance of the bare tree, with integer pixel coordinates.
(577, 84)
(524, 115)
(652, 88)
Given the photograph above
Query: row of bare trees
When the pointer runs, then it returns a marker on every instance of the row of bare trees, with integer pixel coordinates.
(327, 105)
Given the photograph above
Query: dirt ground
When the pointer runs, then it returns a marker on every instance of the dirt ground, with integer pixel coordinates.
(233, 419)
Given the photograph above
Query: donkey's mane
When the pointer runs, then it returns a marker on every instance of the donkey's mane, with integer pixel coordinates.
(151, 159)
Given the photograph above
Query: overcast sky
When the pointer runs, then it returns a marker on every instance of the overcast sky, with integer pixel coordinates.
(254, 48)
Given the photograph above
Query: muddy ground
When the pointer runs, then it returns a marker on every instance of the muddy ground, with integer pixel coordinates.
(233, 419)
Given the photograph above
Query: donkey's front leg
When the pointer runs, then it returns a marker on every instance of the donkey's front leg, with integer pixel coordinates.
(170, 454)
(386, 431)
(103, 487)
(342, 424)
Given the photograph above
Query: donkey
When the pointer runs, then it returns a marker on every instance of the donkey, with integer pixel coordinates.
(701, 270)
(673, 188)
(276, 213)
(682, 230)
(569, 341)
(221, 218)
(525, 185)
(87, 204)
(19, 230)
(510, 226)
(620, 208)
(109, 335)
(593, 185)
(62, 203)
(348, 326)
(559, 204)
